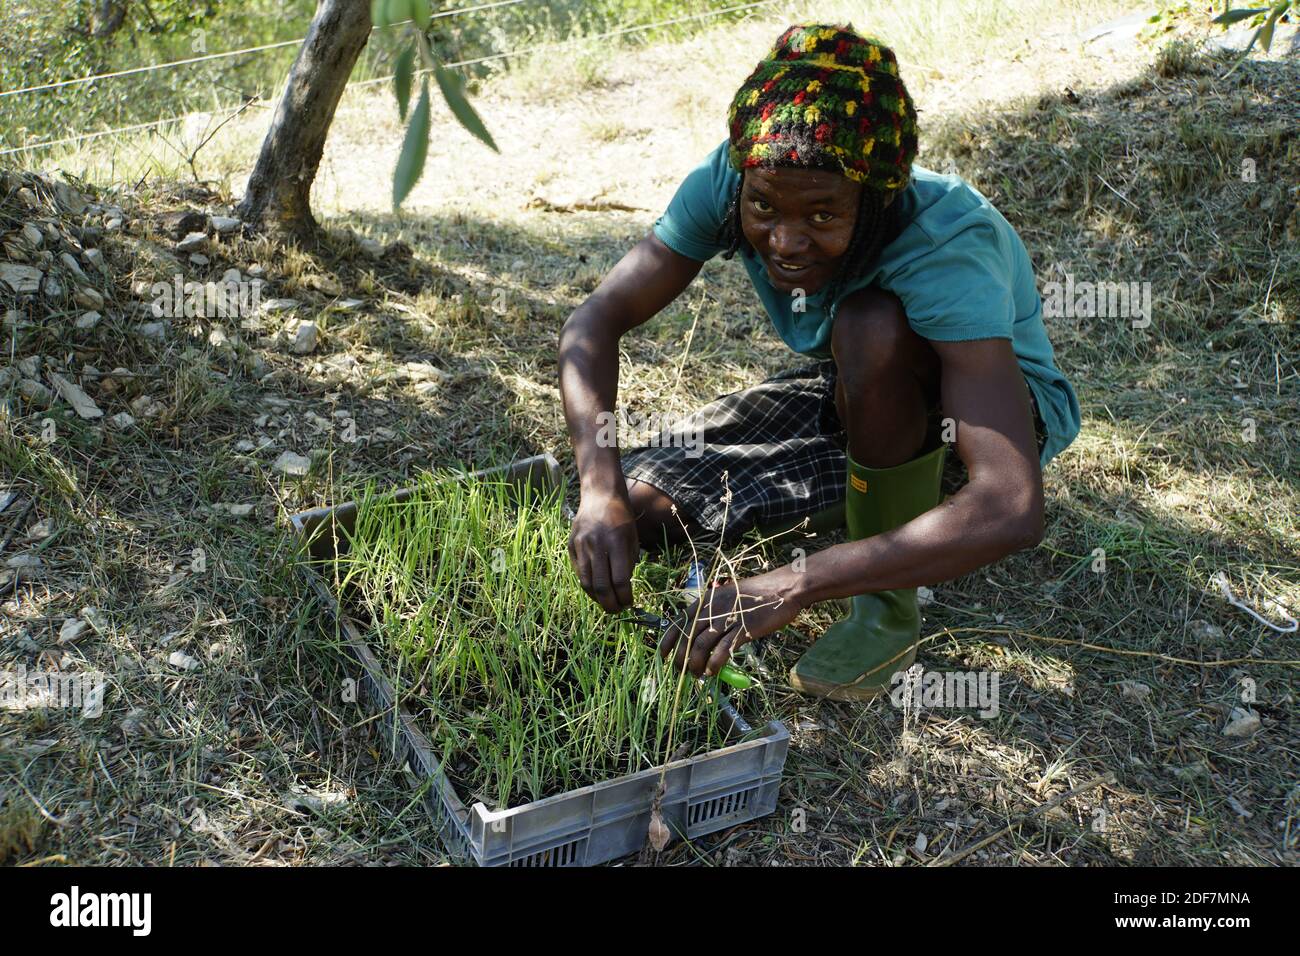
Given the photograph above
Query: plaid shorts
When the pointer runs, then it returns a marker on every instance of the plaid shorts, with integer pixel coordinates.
(777, 447)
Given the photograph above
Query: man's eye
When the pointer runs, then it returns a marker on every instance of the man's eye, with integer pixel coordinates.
(762, 206)
(822, 217)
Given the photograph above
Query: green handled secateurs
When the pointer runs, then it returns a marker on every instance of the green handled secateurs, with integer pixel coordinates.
(657, 625)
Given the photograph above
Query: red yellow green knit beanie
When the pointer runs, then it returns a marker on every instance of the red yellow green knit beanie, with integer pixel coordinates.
(826, 97)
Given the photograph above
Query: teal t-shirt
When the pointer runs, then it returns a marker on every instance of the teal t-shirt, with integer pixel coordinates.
(958, 266)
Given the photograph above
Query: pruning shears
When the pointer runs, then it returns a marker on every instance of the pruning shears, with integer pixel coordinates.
(657, 625)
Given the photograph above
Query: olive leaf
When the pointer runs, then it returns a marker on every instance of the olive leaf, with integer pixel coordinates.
(1265, 35)
(415, 147)
(420, 13)
(453, 91)
(1232, 16)
(402, 76)
(398, 11)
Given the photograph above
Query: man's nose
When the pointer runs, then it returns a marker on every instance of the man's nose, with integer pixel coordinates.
(788, 241)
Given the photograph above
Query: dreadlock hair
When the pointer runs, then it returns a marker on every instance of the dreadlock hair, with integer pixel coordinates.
(875, 226)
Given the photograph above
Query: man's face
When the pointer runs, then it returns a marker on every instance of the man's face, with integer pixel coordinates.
(799, 221)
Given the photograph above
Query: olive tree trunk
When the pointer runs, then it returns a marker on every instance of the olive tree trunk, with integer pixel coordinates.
(278, 196)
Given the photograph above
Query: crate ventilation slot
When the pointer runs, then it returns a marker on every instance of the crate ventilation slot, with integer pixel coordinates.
(708, 810)
(566, 854)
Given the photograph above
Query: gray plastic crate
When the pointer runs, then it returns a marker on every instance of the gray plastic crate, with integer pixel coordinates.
(583, 827)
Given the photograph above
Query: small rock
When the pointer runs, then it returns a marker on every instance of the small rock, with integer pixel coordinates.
(145, 406)
(371, 248)
(317, 422)
(1238, 807)
(1242, 722)
(422, 372)
(70, 263)
(1205, 631)
(95, 259)
(114, 224)
(183, 222)
(72, 629)
(182, 660)
(41, 530)
(122, 421)
(199, 259)
(72, 201)
(217, 338)
(305, 337)
(224, 225)
(349, 305)
(24, 562)
(27, 198)
(135, 723)
(152, 330)
(256, 270)
(81, 403)
(244, 446)
(96, 619)
(87, 320)
(193, 242)
(240, 511)
(291, 464)
(30, 366)
(276, 305)
(35, 392)
(337, 369)
(316, 802)
(924, 596)
(19, 278)
(232, 276)
(53, 287)
(1134, 690)
(88, 298)
(323, 284)
(32, 236)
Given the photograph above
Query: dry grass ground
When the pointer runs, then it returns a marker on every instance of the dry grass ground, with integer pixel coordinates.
(1117, 160)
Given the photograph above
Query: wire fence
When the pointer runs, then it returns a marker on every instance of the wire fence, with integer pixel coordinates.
(225, 54)
(228, 111)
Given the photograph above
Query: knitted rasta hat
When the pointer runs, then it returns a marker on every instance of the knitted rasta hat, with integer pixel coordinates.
(829, 98)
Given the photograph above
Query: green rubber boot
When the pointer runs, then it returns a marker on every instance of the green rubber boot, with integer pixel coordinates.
(857, 657)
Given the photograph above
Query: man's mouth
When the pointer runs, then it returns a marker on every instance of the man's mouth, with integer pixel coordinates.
(790, 269)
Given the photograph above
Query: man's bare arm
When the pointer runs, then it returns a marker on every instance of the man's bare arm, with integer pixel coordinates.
(604, 545)
(998, 512)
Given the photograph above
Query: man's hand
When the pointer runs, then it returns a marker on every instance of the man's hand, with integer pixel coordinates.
(604, 543)
(729, 615)
(604, 548)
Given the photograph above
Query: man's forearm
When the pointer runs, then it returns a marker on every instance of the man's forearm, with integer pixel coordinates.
(974, 528)
(589, 386)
